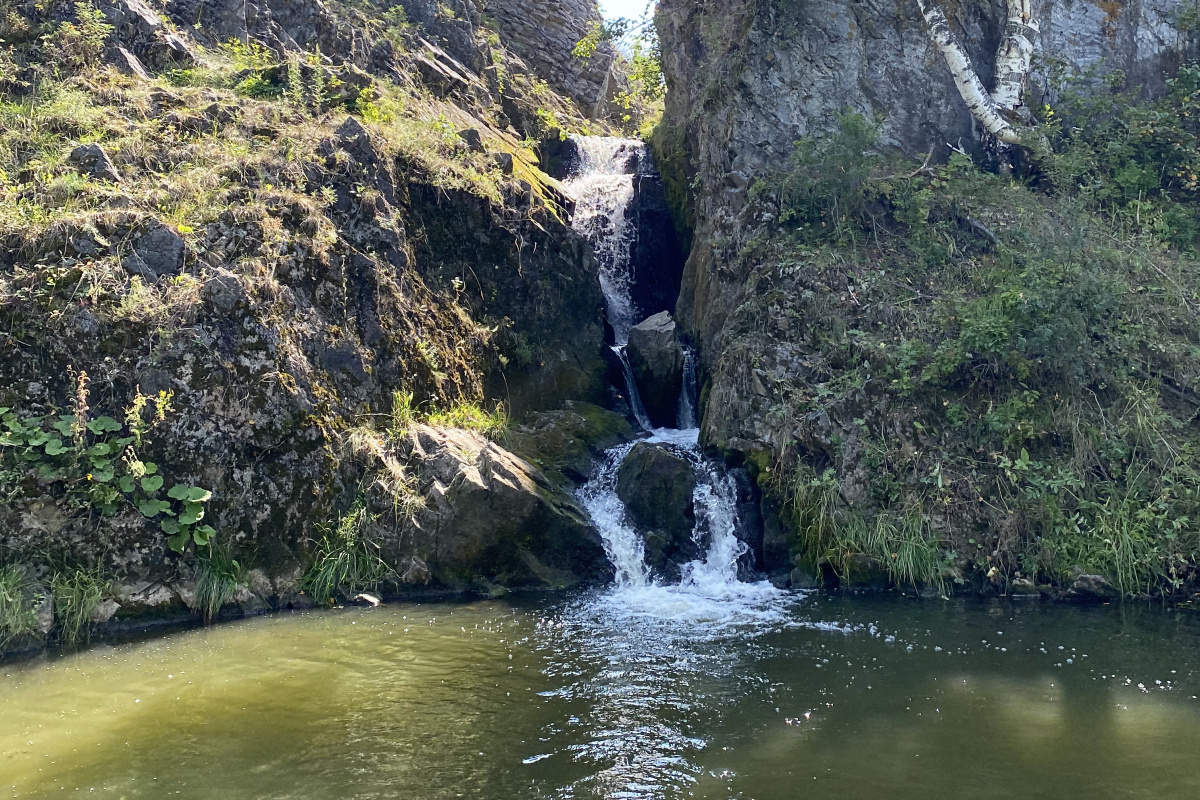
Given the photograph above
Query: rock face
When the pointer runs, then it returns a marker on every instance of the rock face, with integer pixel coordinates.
(545, 32)
(493, 516)
(656, 487)
(92, 160)
(656, 358)
(748, 79)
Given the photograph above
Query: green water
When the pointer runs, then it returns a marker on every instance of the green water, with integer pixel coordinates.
(634, 695)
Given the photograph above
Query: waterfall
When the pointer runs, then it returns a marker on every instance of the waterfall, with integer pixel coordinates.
(685, 415)
(603, 189)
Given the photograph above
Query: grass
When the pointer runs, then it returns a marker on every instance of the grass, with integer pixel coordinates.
(346, 563)
(17, 616)
(76, 593)
(218, 577)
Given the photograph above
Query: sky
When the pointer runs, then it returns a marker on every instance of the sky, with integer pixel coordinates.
(611, 9)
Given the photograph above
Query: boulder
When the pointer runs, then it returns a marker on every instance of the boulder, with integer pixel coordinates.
(158, 251)
(492, 515)
(566, 444)
(1092, 587)
(656, 487)
(656, 358)
(91, 159)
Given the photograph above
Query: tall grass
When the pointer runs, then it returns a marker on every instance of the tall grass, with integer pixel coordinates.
(17, 617)
(346, 562)
(217, 581)
(77, 593)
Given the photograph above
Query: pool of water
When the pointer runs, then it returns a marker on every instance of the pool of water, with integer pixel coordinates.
(631, 693)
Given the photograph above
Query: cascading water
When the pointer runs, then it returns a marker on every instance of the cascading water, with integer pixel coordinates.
(603, 189)
(685, 415)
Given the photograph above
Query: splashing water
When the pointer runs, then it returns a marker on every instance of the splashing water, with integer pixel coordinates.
(603, 190)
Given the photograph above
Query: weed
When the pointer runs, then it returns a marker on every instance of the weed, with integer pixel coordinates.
(17, 615)
(76, 594)
(218, 578)
(346, 562)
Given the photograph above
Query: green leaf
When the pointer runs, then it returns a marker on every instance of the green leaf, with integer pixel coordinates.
(103, 425)
(150, 467)
(170, 525)
(152, 483)
(127, 483)
(152, 508)
(55, 447)
(177, 542)
(122, 443)
(37, 438)
(101, 463)
(100, 449)
(192, 512)
(197, 495)
(178, 492)
(108, 509)
(202, 534)
(65, 424)
(103, 475)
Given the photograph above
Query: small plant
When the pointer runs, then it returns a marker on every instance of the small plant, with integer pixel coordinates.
(17, 616)
(94, 464)
(218, 578)
(346, 562)
(76, 594)
(471, 417)
(76, 46)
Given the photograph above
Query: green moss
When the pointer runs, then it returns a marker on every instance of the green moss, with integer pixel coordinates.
(669, 145)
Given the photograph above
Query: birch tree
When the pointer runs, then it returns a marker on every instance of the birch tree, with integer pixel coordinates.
(998, 111)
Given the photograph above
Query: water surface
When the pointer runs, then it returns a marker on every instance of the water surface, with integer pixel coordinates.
(644, 692)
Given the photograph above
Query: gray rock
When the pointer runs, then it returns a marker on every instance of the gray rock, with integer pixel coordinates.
(146, 598)
(105, 610)
(800, 578)
(490, 514)
(1092, 587)
(1023, 587)
(656, 358)
(656, 487)
(503, 162)
(129, 64)
(159, 251)
(471, 139)
(91, 159)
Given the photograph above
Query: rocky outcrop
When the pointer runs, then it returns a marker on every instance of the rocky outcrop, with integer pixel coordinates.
(656, 358)
(490, 516)
(656, 487)
(748, 79)
(545, 32)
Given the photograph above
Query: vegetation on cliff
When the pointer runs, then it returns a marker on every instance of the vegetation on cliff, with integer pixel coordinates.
(236, 241)
(990, 381)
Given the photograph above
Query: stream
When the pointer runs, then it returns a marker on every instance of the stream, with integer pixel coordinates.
(717, 685)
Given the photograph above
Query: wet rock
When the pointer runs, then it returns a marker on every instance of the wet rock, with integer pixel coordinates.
(800, 578)
(157, 252)
(861, 571)
(491, 514)
(656, 487)
(91, 159)
(656, 358)
(566, 444)
(1092, 587)
(1023, 587)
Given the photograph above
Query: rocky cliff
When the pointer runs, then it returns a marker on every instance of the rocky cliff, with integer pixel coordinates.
(842, 275)
(256, 259)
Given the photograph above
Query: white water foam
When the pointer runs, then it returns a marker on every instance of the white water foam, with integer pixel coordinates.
(603, 190)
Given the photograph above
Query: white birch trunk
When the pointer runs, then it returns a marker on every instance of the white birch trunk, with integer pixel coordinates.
(1013, 55)
(979, 102)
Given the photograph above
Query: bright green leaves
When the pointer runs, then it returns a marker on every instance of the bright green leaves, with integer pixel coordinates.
(103, 425)
(151, 507)
(192, 494)
(88, 464)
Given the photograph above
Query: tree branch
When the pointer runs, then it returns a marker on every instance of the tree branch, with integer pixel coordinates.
(1013, 55)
